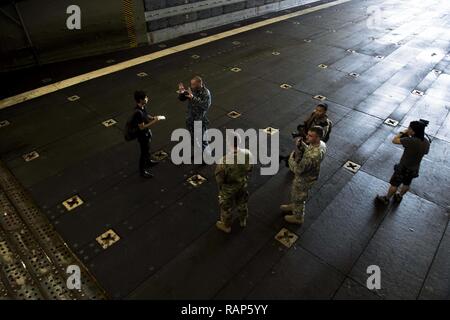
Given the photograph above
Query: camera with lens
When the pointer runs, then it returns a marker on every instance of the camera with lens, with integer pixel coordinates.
(300, 133)
(182, 96)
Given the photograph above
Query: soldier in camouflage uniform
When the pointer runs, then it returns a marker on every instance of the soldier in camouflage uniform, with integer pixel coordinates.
(318, 118)
(232, 175)
(199, 99)
(305, 163)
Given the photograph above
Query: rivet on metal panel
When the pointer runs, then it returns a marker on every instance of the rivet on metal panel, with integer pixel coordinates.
(4, 123)
(159, 155)
(270, 130)
(73, 98)
(107, 239)
(30, 156)
(286, 237)
(72, 203)
(196, 180)
(285, 86)
(352, 166)
(234, 114)
(109, 123)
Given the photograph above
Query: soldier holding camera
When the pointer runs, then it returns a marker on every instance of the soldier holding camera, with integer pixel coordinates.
(306, 167)
(318, 118)
(416, 145)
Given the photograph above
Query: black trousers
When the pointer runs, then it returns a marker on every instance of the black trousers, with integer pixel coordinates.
(144, 160)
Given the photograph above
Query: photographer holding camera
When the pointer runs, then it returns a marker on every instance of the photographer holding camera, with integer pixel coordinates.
(318, 118)
(306, 167)
(199, 101)
(416, 146)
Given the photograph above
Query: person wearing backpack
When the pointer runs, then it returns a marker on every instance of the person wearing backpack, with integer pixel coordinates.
(138, 127)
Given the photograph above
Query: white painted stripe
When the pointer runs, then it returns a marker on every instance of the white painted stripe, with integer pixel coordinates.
(7, 102)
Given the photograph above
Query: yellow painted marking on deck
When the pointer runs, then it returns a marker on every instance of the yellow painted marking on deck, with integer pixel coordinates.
(38, 92)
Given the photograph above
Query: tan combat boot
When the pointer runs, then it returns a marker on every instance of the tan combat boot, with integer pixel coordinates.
(287, 207)
(221, 226)
(294, 218)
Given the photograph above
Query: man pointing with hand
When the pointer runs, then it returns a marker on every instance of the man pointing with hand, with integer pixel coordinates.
(199, 101)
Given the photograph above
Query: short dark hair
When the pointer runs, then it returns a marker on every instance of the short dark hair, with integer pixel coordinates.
(139, 95)
(419, 129)
(317, 130)
(323, 105)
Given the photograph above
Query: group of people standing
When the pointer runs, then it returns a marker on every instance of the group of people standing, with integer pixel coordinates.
(233, 171)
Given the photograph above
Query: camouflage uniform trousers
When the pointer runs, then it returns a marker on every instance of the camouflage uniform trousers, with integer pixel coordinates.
(299, 195)
(231, 197)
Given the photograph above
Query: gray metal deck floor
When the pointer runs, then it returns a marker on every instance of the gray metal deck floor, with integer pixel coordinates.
(169, 247)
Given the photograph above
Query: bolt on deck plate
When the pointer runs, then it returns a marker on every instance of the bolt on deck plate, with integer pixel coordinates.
(195, 56)
(72, 203)
(30, 156)
(196, 180)
(269, 31)
(353, 74)
(391, 122)
(235, 69)
(142, 74)
(351, 51)
(107, 239)
(110, 61)
(233, 114)
(159, 155)
(270, 130)
(73, 98)
(236, 43)
(322, 66)
(417, 92)
(320, 97)
(285, 86)
(307, 40)
(275, 53)
(352, 166)
(380, 57)
(286, 237)
(109, 123)
(4, 123)
(162, 45)
(437, 72)
(203, 34)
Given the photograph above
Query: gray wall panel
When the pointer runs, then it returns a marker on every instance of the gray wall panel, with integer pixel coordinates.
(220, 12)
(103, 29)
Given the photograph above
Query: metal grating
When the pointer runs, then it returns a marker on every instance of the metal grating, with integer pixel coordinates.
(33, 257)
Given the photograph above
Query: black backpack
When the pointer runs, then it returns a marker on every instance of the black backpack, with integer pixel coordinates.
(131, 131)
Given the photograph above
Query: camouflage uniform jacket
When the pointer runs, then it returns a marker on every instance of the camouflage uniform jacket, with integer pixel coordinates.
(232, 171)
(307, 169)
